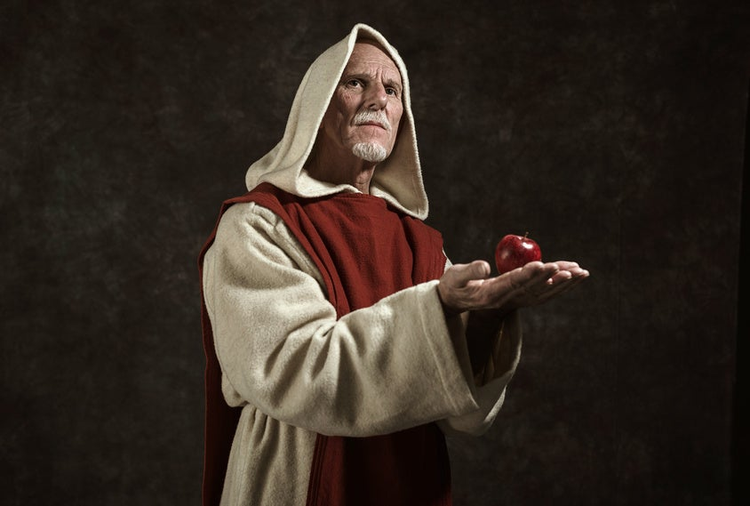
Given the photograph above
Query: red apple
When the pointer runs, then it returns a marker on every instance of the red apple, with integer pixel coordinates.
(515, 251)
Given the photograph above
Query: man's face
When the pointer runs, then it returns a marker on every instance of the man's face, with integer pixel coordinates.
(366, 108)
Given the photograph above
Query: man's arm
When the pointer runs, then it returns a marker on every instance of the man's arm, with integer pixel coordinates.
(376, 370)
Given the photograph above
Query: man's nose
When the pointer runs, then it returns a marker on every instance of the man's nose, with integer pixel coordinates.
(376, 97)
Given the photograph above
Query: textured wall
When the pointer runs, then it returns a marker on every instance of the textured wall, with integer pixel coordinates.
(612, 131)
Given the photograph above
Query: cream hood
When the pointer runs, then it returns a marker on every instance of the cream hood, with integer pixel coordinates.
(398, 179)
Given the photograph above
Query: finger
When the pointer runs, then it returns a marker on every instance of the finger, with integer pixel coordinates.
(573, 267)
(566, 265)
(537, 273)
(560, 277)
(564, 281)
(576, 275)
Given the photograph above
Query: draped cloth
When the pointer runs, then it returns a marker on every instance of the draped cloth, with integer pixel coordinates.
(365, 250)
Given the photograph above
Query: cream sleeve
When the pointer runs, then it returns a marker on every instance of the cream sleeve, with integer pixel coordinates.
(393, 365)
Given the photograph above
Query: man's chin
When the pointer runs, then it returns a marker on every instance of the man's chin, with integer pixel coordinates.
(370, 152)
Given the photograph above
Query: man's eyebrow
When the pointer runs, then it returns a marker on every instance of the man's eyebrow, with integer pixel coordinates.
(355, 75)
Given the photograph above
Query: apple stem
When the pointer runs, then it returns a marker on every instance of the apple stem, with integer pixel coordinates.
(525, 235)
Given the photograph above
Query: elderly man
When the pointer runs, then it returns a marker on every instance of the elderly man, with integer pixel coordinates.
(341, 343)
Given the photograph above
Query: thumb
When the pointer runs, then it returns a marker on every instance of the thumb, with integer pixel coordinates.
(478, 269)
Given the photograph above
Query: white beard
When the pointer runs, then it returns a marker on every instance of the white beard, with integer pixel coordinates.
(370, 152)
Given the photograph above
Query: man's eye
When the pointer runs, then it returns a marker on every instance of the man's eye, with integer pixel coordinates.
(354, 83)
(392, 91)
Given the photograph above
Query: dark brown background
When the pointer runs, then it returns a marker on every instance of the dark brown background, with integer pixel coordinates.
(612, 131)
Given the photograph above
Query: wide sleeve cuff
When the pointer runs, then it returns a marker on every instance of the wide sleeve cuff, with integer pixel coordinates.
(490, 380)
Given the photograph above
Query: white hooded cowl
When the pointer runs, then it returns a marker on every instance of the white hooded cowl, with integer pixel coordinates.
(398, 179)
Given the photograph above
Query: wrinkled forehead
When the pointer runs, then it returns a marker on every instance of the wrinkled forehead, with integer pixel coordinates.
(368, 52)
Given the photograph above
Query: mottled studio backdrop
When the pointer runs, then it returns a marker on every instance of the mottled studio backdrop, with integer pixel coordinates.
(612, 131)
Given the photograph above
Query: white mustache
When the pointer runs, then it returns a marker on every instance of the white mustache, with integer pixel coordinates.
(368, 116)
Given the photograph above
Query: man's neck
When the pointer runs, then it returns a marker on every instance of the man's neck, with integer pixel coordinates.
(350, 170)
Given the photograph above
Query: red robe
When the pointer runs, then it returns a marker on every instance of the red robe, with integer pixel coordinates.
(365, 250)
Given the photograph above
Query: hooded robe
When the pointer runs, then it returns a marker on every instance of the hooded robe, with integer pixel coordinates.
(319, 380)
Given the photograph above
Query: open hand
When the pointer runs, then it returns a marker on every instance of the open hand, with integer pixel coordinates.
(466, 287)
